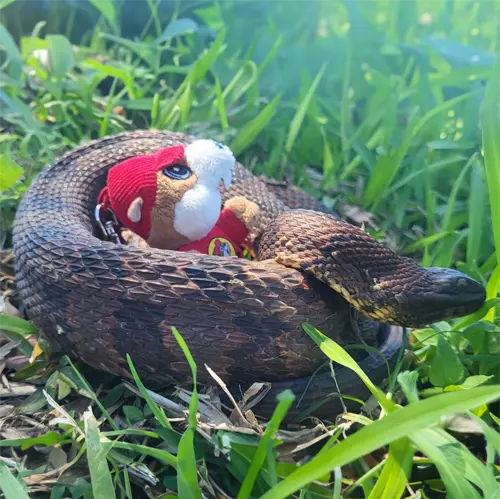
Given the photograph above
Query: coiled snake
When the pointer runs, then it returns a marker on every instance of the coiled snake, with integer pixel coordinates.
(100, 301)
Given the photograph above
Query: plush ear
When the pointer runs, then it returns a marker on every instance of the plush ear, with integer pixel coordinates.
(211, 161)
(134, 212)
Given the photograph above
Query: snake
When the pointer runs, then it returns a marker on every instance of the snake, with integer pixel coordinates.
(244, 318)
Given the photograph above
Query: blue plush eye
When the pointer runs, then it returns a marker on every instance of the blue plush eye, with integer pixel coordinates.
(177, 172)
(219, 146)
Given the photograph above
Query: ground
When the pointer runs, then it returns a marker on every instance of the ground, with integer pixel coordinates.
(386, 111)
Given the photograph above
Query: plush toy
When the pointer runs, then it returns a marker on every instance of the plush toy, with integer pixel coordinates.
(171, 199)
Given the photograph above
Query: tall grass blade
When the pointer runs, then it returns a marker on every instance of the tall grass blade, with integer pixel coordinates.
(285, 400)
(396, 425)
(251, 130)
(490, 124)
(13, 54)
(336, 353)
(177, 27)
(300, 114)
(16, 325)
(476, 213)
(397, 468)
(159, 454)
(206, 60)
(388, 165)
(10, 487)
(103, 129)
(114, 72)
(221, 107)
(187, 474)
(155, 409)
(107, 9)
(92, 394)
(457, 466)
(102, 483)
(492, 290)
(62, 58)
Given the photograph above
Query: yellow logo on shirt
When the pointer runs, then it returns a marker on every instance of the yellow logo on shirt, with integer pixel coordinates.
(220, 246)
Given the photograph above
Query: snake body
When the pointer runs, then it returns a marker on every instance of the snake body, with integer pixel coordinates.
(101, 301)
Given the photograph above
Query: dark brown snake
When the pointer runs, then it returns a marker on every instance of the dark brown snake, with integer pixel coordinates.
(100, 301)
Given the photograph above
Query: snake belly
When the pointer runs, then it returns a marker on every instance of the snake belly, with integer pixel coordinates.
(100, 301)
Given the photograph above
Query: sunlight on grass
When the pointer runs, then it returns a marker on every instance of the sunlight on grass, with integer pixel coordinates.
(364, 105)
(490, 123)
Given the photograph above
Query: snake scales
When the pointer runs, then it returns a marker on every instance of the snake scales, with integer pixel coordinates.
(100, 301)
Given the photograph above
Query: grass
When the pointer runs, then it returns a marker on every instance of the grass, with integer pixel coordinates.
(387, 111)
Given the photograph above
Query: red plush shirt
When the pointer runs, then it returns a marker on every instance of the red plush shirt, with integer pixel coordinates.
(224, 239)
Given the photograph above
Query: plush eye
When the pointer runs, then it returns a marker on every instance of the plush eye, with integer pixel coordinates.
(177, 172)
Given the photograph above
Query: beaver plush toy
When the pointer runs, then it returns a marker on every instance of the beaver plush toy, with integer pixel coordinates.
(171, 200)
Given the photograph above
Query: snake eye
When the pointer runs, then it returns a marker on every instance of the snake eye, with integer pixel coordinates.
(177, 172)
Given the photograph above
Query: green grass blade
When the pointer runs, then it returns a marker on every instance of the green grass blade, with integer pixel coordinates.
(155, 19)
(30, 123)
(187, 474)
(394, 426)
(206, 61)
(16, 325)
(221, 107)
(458, 467)
(115, 72)
(285, 400)
(13, 53)
(155, 409)
(397, 468)
(241, 83)
(330, 165)
(61, 55)
(492, 291)
(387, 167)
(107, 9)
(425, 242)
(10, 487)
(336, 353)
(159, 454)
(443, 253)
(454, 192)
(177, 27)
(271, 54)
(10, 172)
(103, 129)
(477, 316)
(476, 213)
(490, 124)
(102, 483)
(92, 395)
(250, 130)
(185, 104)
(300, 114)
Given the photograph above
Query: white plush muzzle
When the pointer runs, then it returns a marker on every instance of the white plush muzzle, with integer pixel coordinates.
(198, 210)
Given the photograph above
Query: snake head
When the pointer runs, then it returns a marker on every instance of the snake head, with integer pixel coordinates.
(438, 295)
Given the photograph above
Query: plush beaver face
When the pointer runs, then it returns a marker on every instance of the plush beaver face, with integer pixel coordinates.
(171, 198)
(188, 201)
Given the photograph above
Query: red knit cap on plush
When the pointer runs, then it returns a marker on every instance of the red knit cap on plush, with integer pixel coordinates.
(133, 178)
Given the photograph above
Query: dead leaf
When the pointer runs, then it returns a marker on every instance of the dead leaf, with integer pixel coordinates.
(357, 215)
(236, 415)
(37, 351)
(17, 390)
(254, 395)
